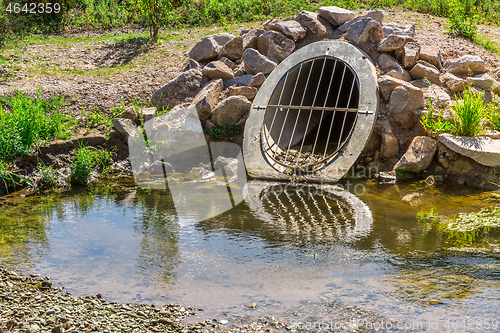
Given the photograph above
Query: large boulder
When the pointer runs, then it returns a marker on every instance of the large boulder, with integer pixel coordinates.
(431, 54)
(391, 67)
(230, 110)
(291, 29)
(209, 47)
(208, 98)
(482, 81)
(275, 44)
(218, 70)
(387, 84)
(411, 52)
(246, 80)
(393, 42)
(439, 97)
(363, 31)
(483, 150)
(419, 155)
(420, 71)
(250, 38)
(256, 62)
(376, 15)
(467, 64)
(179, 90)
(405, 102)
(232, 49)
(315, 26)
(248, 92)
(454, 83)
(336, 15)
(393, 28)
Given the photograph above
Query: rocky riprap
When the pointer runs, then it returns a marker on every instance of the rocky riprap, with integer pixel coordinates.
(225, 71)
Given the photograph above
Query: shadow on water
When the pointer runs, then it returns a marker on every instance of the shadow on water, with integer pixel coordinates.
(282, 246)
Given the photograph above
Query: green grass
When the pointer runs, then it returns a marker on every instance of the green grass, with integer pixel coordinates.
(48, 177)
(433, 121)
(468, 114)
(84, 162)
(222, 133)
(27, 121)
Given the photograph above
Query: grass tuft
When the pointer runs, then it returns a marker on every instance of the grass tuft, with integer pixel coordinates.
(468, 114)
(84, 162)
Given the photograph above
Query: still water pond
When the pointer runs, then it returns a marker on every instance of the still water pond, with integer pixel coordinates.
(293, 251)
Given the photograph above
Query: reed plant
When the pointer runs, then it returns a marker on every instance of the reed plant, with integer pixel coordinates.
(469, 113)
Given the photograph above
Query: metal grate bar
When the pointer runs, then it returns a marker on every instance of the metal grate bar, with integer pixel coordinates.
(288, 111)
(324, 105)
(300, 109)
(345, 114)
(334, 112)
(275, 112)
(326, 108)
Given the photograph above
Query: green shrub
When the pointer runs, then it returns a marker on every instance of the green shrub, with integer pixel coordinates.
(84, 162)
(223, 133)
(154, 14)
(48, 176)
(28, 120)
(468, 114)
(463, 18)
(435, 123)
(494, 117)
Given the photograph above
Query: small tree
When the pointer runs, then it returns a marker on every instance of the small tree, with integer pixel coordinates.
(154, 13)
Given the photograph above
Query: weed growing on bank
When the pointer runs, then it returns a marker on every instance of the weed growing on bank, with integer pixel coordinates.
(30, 120)
(84, 162)
(468, 114)
(48, 176)
(222, 133)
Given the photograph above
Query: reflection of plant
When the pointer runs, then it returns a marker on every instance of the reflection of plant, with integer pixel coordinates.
(223, 133)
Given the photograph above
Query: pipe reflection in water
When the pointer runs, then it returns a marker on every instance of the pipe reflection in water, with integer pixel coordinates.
(311, 212)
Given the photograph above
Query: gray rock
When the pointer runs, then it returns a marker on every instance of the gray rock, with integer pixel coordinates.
(483, 150)
(393, 28)
(420, 71)
(246, 80)
(496, 73)
(248, 92)
(391, 67)
(315, 26)
(146, 114)
(250, 38)
(129, 113)
(232, 49)
(467, 64)
(181, 89)
(454, 83)
(491, 134)
(192, 64)
(124, 126)
(389, 143)
(482, 81)
(419, 155)
(405, 101)
(336, 15)
(227, 62)
(256, 62)
(439, 97)
(387, 84)
(230, 110)
(376, 15)
(208, 98)
(218, 70)
(275, 44)
(268, 23)
(209, 47)
(291, 29)
(393, 42)
(411, 52)
(363, 31)
(431, 54)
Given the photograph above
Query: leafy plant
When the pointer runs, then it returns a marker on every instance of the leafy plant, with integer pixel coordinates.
(463, 18)
(468, 114)
(155, 14)
(48, 176)
(494, 117)
(435, 123)
(84, 161)
(28, 120)
(96, 118)
(7, 176)
(222, 133)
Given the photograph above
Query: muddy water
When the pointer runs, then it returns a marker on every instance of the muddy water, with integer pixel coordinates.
(294, 251)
